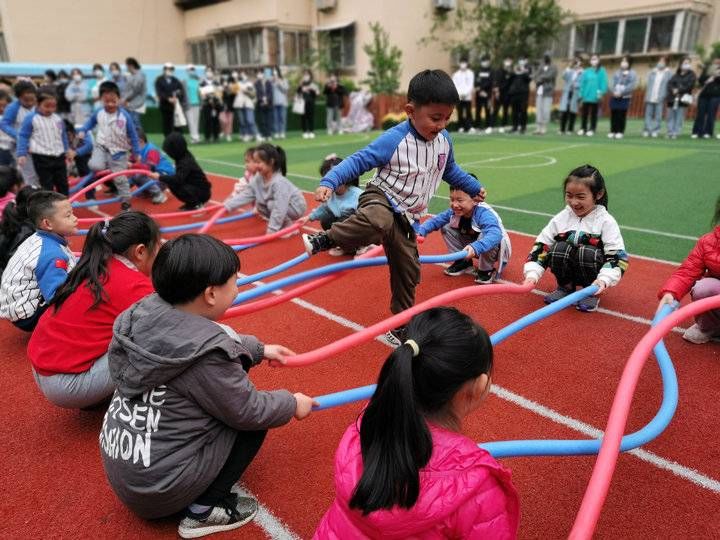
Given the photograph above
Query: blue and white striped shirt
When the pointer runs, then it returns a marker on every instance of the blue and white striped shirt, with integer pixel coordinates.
(42, 135)
(13, 117)
(115, 131)
(409, 168)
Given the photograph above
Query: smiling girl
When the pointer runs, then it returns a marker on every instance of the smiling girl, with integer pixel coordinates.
(582, 244)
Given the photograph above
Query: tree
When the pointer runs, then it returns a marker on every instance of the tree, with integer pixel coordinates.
(323, 57)
(385, 69)
(708, 56)
(500, 28)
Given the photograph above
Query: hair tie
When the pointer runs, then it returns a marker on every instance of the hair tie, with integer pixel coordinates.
(414, 346)
(330, 156)
(106, 225)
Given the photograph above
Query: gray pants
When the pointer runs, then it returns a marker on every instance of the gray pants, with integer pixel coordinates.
(456, 241)
(28, 173)
(333, 120)
(543, 105)
(102, 159)
(78, 390)
(653, 116)
(675, 120)
(193, 119)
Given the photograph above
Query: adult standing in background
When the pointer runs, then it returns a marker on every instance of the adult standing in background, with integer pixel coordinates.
(94, 85)
(280, 104)
(211, 93)
(334, 95)
(483, 96)
(501, 86)
(679, 97)
(228, 97)
(168, 90)
(264, 104)
(655, 94)
(63, 105)
(519, 95)
(624, 82)
(545, 91)
(76, 94)
(708, 101)
(570, 98)
(192, 103)
(593, 86)
(117, 76)
(464, 80)
(309, 91)
(134, 95)
(244, 106)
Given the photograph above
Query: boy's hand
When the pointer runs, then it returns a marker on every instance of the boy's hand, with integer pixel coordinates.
(80, 135)
(154, 175)
(480, 197)
(303, 405)
(276, 354)
(21, 161)
(470, 252)
(601, 287)
(322, 193)
(70, 156)
(303, 220)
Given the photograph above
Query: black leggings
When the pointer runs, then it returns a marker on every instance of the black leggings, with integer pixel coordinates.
(592, 110)
(464, 115)
(307, 120)
(247, 444)
(567, 120)
(618, 120)
(519, 106)
(483, 104)
(52, 172)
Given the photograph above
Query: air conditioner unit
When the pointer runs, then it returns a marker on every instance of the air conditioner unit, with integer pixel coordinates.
(444, 5)
(325, 5)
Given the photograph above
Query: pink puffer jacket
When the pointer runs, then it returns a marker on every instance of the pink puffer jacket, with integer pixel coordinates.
(464, 493)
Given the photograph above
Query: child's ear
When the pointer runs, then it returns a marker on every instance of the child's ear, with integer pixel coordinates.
(209, 295)
(600, 195)
(45, 224)
(481, 386)
(409, 109)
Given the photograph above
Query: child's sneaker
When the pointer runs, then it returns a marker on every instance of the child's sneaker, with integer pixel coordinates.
(315, 243)
(458, 267)
(697, 336)
(231, 513)
(159, 198)
(484, 277)
(362, 250)
(557, 294)
(124, 207)
(588, 304)
(336, 252)
(397, 336)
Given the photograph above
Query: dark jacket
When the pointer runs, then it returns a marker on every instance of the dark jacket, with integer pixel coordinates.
(182, 396)
(683, 82)
(165, 88)
(484, 83)
(519, 84)
(710, 85)
(189, 183)
(264, 93)
(334, 96)
(501, 81)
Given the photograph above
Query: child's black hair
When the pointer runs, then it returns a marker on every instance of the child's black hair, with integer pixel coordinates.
(104, 239)
(109, 87)
(395, 440)
(42, 204)
(457, 188)
(46, 92)
(16, 212)
(249, 151)
(185, 266)
(5, 96)
(330, 162)
(24, 87)
(141, 134)
(51, 75)
(272, 155)
(432, 86)
(591, 177)
(9, 178)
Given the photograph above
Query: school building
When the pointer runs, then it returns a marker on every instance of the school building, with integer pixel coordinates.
(249, 33)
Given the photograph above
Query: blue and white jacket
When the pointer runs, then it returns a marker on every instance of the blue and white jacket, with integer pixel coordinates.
(115, 132)
(409, 168)
(33, 274)
(13, 117)
(338, 206)
(486, 222)
(42, 135)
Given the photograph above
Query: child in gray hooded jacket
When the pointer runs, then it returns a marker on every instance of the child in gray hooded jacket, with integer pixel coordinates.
(185, 420)
(276, 199)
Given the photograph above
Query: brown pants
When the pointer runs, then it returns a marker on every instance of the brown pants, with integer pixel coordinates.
(375, 222)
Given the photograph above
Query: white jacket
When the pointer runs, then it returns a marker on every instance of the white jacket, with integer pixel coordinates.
(598, 227)
(464, 82)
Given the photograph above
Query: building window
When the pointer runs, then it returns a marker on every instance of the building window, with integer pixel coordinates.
(661, 33)
(202, 53)
(585, 38)
(607, 33)
(691, 29)
(561, 46)
(295, 47)
(341, 45)
(244, 48)
(4, 56)
(634, 40)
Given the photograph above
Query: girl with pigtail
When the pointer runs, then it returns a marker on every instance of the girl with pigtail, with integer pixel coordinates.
(405, 469)
(68, 349)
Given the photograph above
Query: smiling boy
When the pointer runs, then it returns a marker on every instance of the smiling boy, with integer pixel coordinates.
(411, 159)
(41, 263)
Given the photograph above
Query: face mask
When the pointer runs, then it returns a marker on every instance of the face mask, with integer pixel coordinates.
(594, 62)
(209, 74)
(306, 78)
(686, 67)
(98, 73)
(235, 75)
(661, 65)
(507, 65)
(463, 65)
(115, 73)
(624, 65)
(77, 77)
(522, 63)
(260, 76)
(485, 64)
(168, 72)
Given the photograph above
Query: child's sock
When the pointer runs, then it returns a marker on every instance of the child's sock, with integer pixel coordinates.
(199, 510)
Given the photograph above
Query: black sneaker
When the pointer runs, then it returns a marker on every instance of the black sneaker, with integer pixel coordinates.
(189, 206)
(315, 243)
(397, 336)
(484, 277)
(124, 207)
(231, 513)
(458, 267)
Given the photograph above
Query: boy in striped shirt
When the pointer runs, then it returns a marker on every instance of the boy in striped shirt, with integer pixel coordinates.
(410, 161)
(116, 136)
(41, 263)
(13, 117)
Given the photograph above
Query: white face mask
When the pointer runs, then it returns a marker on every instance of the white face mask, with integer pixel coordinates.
(77, 77)
(99, 73)
(661, 65)
(507, 65)
(624, 65)
(463, 65)
(485, 64)
(306, 78)
(168, 72)
(686, 67)
(209, 74)
(594, 62)
(115, 72)
(235, 75)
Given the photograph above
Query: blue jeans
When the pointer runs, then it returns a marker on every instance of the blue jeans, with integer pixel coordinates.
(280, 119)
(675, 119)
(653, 117)
(705, 118)
(246, 120)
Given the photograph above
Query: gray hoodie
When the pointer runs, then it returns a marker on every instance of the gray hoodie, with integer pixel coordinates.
(182, 396)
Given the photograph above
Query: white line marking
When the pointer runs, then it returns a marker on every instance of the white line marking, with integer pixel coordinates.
(675, 468)
(524, 154)
(272, 525)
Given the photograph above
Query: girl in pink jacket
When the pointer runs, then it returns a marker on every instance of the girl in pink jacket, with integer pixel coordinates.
(404, 469)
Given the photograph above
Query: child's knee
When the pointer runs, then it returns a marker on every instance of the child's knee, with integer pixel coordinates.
(705, 288)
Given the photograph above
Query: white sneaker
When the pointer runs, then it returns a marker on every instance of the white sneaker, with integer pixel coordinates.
(311, 135)
(655, 135)
(471, 130)
(488, 130)
(619, 135)
(461, 130)
(228, 138)
(590, 133)
(694, 136)
(305, 135)
(646, 133)
(259, 138)
(581, 132)
(706, 136)
(717, 136)
(363, 250)
(501, 130)
(282, 135)
(697, 336)
(336, 252)
(159, 198)
(610, 135)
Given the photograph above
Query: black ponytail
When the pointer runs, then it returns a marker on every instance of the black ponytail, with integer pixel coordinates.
(104, 239)
(16, 212)
(395, 439)
(273, 156)
(591, 177)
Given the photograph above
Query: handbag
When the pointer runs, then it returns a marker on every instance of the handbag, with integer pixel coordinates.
(687, 99)
(298, 104)
(179, 119)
